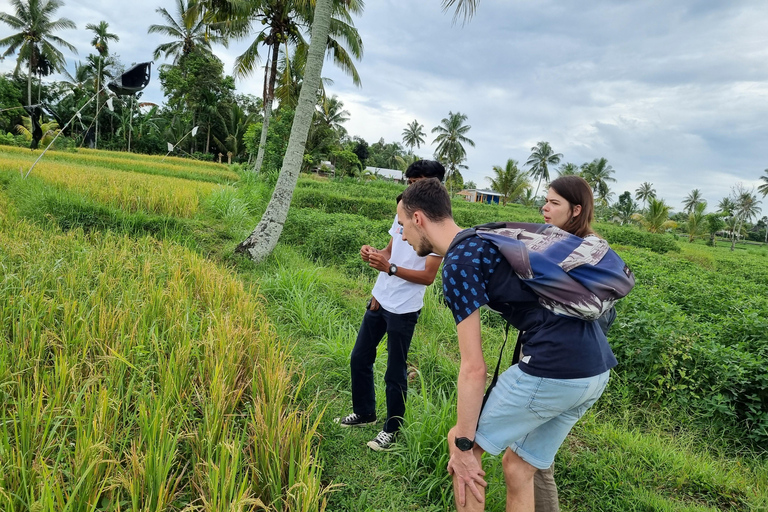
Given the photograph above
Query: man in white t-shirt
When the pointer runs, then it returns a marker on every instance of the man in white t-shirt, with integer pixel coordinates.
(398, 297)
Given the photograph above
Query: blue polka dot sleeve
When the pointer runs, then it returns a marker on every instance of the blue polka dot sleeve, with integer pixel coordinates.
(463, 281)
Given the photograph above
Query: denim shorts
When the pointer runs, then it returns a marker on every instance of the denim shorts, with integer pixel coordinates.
(532, 415)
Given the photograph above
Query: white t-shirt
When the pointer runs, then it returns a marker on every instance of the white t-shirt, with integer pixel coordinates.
(397, 295)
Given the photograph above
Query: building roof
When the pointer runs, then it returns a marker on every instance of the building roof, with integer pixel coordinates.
(393, 174)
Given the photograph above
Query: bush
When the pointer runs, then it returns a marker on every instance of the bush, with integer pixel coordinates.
(467, 214)
(620, 235)
(334, 238)
(330, 202)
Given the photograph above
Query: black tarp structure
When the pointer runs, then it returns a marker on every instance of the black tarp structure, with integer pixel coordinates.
(132, 81)
(35, 112)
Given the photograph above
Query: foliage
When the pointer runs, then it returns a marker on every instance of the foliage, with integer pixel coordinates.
(510, 181)
(628, 235)
(645, 192)
(451, 138)
(188, 32)
(35, 40)
(656, 218)
(542, 156)
(625, 208)
(136, 372)
(277, 139)
(413, 134)
(10, 96)
(598, 173)
(680, 427)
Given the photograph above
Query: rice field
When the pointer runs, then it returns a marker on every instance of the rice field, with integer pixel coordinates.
(125, 189)
(137, 375)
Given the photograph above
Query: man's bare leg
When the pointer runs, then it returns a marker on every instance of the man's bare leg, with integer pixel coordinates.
(518, 476)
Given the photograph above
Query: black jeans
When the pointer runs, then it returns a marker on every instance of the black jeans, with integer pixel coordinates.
(399, 331)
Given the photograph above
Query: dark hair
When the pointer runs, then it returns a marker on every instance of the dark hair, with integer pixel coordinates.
(425, 169)
(429, 197)
(576, 191)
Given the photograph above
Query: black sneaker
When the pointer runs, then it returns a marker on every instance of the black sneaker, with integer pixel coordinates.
(382, 442)
(355, 420)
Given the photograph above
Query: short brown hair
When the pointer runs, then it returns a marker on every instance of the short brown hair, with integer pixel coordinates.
(428, 196)
(576, 191)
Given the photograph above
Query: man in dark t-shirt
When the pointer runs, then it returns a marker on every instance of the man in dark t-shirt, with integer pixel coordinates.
(564, 366)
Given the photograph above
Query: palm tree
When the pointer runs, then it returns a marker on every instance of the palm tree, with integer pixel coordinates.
(625, 207)
(403, 162)
(692, 200)
(542, 156)
(598, 173)
(510, 181)
(464, 8)
(100, 41)
(726, 206)
(35, 40)
(656, 219)
(568, 169)
(264, 238)
(696, 220)
(450, 140)
(746, 209)
(331, 113)
(645, 192)
(413, 135)
(283, 22)
(763, 189)
(713, 223)
(188, 31)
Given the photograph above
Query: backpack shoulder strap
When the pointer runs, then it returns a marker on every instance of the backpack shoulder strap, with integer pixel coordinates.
(466, 233)
(460, 237)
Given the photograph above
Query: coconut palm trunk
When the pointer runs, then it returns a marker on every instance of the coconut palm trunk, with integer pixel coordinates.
(270, 94)
(98, 92)
(264, 238)
(29, 83)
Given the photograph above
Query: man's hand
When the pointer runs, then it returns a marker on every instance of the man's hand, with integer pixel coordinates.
(466, 471)
(366, 251)
(378, 261)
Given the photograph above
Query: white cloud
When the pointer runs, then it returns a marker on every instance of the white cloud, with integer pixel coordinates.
(671, 93)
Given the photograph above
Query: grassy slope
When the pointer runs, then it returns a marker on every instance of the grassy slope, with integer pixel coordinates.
(619, 457)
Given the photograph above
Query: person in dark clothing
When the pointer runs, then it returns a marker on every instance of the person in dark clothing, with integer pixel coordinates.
(394, 308)
(564, 365)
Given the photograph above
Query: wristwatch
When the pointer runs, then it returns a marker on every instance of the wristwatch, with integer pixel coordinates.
(464, 444)
(392, 269)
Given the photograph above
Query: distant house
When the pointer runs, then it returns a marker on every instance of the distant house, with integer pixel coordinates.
(474, 195)
(387, 174)
(326, 168)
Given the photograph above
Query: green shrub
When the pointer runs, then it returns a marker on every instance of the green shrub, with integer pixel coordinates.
(330, 202)
(334, 238)
(621, 235)
(467, 214)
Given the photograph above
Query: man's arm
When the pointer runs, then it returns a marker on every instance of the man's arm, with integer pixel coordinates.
(380, 261)
(472, 373)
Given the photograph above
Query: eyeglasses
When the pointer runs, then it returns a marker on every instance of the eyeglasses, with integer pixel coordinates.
(411, 181)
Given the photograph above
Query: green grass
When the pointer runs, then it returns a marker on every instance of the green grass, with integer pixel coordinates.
(143, 367)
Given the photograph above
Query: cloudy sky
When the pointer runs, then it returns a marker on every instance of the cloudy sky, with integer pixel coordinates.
(673, 93)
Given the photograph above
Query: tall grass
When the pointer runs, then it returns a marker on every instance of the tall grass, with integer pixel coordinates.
(135, 375)
(125, 190)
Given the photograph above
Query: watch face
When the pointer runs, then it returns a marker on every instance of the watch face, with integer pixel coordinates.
(464, 444)
(392, 268)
